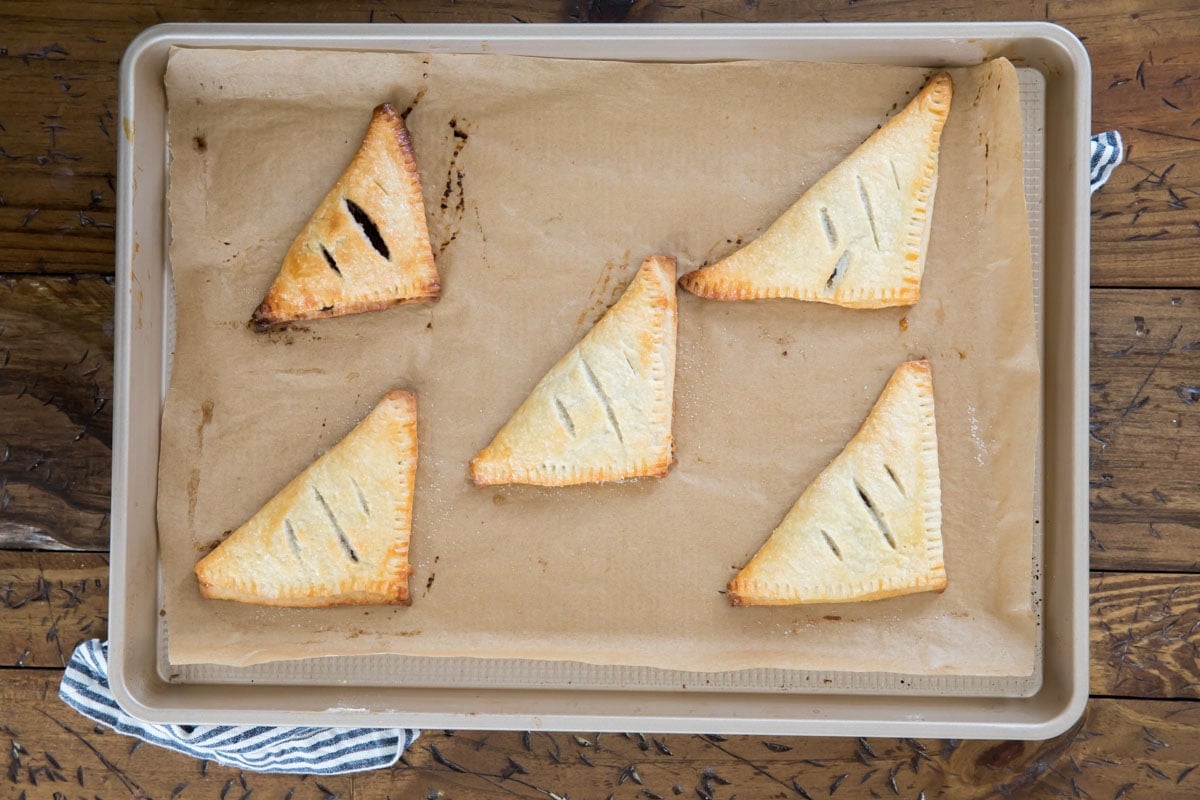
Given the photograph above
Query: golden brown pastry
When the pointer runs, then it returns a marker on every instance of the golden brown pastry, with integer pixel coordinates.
(603, 412)
(338, 533)
(366, 246)
(857, 237)
(870, 525)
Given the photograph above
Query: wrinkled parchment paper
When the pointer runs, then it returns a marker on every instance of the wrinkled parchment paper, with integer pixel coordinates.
(563, 175)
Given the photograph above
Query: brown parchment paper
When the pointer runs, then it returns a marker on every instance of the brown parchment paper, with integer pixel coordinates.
(563, 175)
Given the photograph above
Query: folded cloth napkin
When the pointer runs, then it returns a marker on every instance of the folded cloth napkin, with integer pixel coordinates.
(254, 748)
(1107, 152)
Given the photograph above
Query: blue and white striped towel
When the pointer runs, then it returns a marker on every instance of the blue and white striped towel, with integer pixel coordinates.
(1107, 152)
(254, 748)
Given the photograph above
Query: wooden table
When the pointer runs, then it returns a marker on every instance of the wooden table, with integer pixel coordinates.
(1140, 736)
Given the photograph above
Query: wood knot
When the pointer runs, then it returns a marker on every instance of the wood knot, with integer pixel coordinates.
(1001, 755)
(606, 10)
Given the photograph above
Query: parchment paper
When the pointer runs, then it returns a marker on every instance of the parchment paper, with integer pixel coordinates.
(563, 176)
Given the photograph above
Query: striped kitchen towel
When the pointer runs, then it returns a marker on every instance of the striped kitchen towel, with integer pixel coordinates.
(254, 748)
(1107, 152)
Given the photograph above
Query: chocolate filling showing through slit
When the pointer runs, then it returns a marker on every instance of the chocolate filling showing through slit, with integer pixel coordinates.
(832, 545)
(883, 528)
(369, 228)
(362, 498)
(293, 542)
(866, 201)
(827, 225)
(331, 261)
(337, 528)
(604, 401)
(839, 270)
(565, 417)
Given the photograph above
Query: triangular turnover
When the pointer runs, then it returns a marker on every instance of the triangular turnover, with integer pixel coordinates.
(366, 247)
(870, 525)
(858, 236)
(604, 411)
(338, 534)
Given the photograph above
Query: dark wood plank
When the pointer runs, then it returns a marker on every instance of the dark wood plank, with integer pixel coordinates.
(59, 151)
(1144, 634)
(58, 164)
(1145, 421)
(50, 748)
(1145, 229)
(56, 352)
(1119, 742)
(49, 603)
(1144, 84)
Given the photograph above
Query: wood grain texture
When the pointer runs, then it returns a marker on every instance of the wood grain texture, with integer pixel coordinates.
(49, 603)
(1146, 84)
(56, 354)
(1145, 429)
(1107, 749)
(58, 145)
(1144, 634)
(1120, 743)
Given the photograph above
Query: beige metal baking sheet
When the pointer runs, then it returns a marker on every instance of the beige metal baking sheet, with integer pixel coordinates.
(556, 695)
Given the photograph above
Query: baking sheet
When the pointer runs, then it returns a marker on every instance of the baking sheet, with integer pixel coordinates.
(571, 172)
